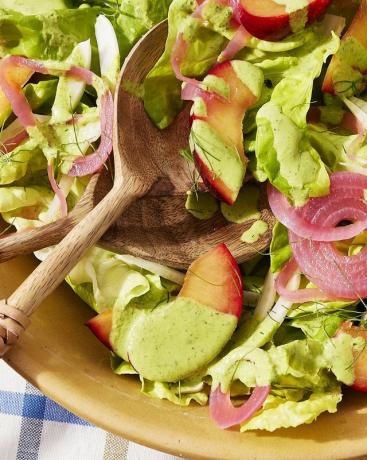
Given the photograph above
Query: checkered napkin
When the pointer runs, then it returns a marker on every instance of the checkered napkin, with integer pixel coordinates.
(32, 427)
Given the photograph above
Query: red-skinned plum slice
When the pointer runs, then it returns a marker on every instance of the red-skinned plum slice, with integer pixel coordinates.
(360, 363)
(101, 326)
(345, 74)
(216, 126)
(214, 280)
(269, 20)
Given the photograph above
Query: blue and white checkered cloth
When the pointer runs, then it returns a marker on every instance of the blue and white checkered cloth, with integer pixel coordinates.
(32, 427)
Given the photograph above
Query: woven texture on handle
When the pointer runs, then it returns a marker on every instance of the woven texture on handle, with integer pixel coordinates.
(13, 322)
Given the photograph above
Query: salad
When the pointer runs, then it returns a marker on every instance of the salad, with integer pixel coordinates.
(278, 95)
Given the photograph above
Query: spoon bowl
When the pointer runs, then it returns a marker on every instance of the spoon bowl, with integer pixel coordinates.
(157, 226)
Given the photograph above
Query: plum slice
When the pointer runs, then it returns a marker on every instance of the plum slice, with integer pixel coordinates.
(346, 72)
(216, 137)
(101, 326)
(214, 280)
(269, 20)
(360, 357)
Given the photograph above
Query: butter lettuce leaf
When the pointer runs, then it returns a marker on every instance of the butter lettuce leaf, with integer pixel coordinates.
(114, 283)
(278, 412)
(283, 150)
(52, 35)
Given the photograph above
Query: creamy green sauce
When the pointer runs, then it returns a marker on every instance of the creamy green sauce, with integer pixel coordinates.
(217, 84)
(175, 340)
(201, 205)
(255, 232)
(351, 63)
(293, 5)
(298, 13)
(222, 159)
(246, 206)
(250, 75)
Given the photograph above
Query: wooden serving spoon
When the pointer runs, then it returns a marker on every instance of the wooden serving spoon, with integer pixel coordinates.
(156, 226)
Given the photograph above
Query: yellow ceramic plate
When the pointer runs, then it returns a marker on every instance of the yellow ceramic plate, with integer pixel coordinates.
(62, 358)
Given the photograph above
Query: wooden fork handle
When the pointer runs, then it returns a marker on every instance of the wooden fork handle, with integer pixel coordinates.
(51, 272)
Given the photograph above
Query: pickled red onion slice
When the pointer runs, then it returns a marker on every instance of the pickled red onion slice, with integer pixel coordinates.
(14, 93)
(338, 275)
(178, 54)
(57, 190)
(345, 202)
(237, 43)
(226, 415)
(90, 164)
(81, 73)
(10, 144)
(299, 295)
(190, 92)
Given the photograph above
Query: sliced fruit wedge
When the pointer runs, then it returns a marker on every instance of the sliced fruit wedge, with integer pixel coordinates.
(360, 362)
(216, 137)
(214, 280)
(271, 20)
(345, 75)
(18, 75)
(101, 326)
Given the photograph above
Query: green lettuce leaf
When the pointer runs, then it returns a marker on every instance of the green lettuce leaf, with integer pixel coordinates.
(279, 412)
(51, 35)
(284, 152)
(131, 18)
(181, 393)
(114, 283)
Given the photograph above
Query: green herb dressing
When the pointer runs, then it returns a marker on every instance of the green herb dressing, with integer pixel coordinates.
(175, 340)
(201, 205)
(255, 232)
(246, 206)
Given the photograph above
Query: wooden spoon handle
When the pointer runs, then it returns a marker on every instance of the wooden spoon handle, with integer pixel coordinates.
(28, 241)
(51, 272)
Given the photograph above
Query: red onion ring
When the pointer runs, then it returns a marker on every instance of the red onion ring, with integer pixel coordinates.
(237, 43)
(226, 415)
(178, 54)
(339, 276)
(90, 164)
(346, 189)
(57, 190)
(299, 295)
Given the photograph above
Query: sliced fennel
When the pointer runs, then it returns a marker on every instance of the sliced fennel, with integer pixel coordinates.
(108, 50)
(70, 91)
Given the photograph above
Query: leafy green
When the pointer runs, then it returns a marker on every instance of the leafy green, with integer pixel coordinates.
(280, 412)
(283, 151)
(131, 18)
(114, 283)
(51, 35)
